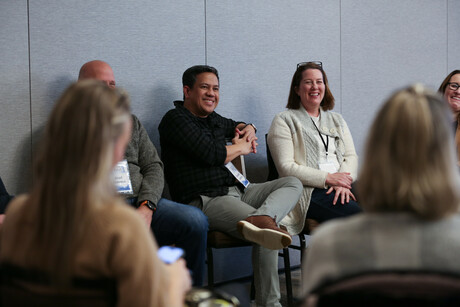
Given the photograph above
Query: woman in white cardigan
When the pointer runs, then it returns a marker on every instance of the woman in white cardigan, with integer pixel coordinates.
(315, 145)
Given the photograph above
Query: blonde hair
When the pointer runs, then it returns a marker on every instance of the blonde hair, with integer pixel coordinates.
(72, 170)
(410, 162)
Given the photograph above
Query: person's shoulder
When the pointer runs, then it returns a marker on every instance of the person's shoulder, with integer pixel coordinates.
(117, 217)
(17, 204)
(136, 121)
(214, 116)
(284, 115)
(450, 224)
(287, 117)
(17, 213)
(178, 112)
(121, 211)
(335, 116)
(333, 227)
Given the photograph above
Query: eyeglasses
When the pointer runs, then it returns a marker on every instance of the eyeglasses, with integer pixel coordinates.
(320, 64)
(453, 86)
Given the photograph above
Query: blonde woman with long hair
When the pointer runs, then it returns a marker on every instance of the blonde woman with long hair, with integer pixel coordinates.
(73, 223)
(409, 189)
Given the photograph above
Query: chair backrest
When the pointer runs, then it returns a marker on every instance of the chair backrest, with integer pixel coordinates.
(272, 171)
(20, 287)
(240, 165)
(390, 289)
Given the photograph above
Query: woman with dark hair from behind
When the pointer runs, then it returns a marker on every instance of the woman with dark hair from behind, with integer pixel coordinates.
(450, 89)
(73, 223)
(410, 191)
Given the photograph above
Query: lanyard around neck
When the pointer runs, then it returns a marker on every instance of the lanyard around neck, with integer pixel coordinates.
(325, 143)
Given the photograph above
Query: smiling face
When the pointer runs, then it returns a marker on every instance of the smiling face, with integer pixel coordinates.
(311, 90)
(203, 97)
(453, 96)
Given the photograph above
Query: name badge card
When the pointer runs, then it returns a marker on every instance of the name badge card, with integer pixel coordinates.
(121, 178)
(328, 167)
(237, 174)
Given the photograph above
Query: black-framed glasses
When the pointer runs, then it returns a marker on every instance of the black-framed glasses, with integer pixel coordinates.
(453, 86)
(320, 64)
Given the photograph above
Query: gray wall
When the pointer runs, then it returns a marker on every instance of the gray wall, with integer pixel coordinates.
(368, 48)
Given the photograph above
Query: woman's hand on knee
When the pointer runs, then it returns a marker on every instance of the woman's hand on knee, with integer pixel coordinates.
(344, 194)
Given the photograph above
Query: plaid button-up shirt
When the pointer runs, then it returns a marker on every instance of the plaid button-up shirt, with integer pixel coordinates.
(193, 152)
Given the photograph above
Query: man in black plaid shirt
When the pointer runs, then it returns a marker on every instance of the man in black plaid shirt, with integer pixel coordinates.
(196, 157)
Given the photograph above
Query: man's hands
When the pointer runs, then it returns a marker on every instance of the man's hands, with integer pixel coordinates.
(146, 214)
(247, 134)
(244, 142)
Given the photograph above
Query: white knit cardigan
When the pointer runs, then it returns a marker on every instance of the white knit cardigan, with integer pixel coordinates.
(295, 151)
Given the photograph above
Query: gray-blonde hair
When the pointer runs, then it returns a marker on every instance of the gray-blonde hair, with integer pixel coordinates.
(410, 161)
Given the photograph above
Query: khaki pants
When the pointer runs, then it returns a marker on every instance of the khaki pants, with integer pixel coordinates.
(274, 198)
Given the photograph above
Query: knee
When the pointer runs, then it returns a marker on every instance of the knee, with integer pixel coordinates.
(293, 182)
(198, 222)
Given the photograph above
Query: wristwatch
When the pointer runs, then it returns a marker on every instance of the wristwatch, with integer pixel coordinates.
(253, 126)
(149, 204)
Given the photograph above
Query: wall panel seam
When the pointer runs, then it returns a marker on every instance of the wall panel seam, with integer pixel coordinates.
(205, 35)
(340, 57)
(447, 37)
(30, 80)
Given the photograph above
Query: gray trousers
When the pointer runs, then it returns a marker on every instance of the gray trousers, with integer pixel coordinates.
(275, 199)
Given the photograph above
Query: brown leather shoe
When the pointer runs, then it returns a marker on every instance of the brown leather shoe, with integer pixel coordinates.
(263, 230)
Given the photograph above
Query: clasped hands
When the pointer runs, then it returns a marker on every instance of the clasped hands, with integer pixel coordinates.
(247, 138)
(341, 183)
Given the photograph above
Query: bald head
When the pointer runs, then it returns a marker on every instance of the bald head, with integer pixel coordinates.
(98, 70)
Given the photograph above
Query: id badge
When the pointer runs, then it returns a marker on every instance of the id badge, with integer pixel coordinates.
(327, 167)
(237, 174)
(121, 178)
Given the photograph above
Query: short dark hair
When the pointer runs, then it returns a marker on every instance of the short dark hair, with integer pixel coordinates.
(189, 76)
(294, 100)
(442, 88)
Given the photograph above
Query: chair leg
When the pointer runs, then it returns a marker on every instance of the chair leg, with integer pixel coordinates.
(287, 273)
(210, 262)
(253, 289)
(303, 245)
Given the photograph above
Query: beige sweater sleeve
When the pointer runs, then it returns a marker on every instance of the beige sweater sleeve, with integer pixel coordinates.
(350, 158)
(288, 152)
(117, 244)
(142, 277)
